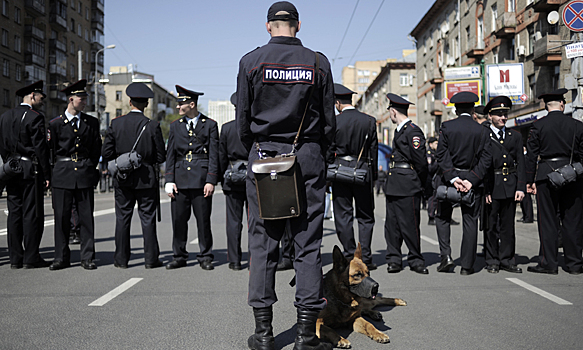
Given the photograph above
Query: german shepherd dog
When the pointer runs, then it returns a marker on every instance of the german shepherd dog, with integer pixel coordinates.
(351, 294)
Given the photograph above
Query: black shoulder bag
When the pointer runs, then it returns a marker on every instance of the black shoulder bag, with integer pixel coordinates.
(127, 162)
(12, 167)
(567, 173)
(277, 179)
(345, 174)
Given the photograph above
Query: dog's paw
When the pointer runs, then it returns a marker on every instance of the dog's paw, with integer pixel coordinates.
(400, 302)
(343, 344)
(380, 337)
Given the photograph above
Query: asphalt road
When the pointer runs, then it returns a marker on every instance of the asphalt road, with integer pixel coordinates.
(197, 309)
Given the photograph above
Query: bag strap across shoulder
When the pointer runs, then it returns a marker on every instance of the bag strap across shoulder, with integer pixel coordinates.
(316, 73)
(140, 135)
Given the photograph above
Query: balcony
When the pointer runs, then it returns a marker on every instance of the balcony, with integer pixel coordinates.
(58, 21)
(34, 32)
(506, 24)
(436, 108)
(35, 7)
(97, 25)
(34, 59)
(57, 96)
(434, 76)
(476, 48)
(58, 70)
(546, 5)
(55, 44)
(97, 5)
(547, 50)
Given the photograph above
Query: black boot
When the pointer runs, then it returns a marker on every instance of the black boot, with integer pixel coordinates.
(263, 337)
(306, 338)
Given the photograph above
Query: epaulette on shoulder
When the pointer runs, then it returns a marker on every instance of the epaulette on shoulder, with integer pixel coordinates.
(255, 49)
(414, 126)
(179, 119)
(32, 110)
(59, 117)
(119, 116)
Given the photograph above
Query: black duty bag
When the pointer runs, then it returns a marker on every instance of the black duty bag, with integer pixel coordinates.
(565, 174)
(345, 174)
(278, 187)
(452, 195)
(236, 174)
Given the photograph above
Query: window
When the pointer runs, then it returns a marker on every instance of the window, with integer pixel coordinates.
(17, 15)
(495, 52)
(86, 35)
(360, 72)
(511, 5)
(80, 6)
(6, 99)
(118, 95)
(531, 40)
(87, 13)
(4, 37)
(18, 72)
(512, 50)
(6, 68)
(17, 44)
(403, 79)
(37, 47)
(431, 39)
(79, 29)
(424, 46)
(5, 7)
(556, 76)
(118, 112)
(405, 96)
(87, 56)
(468, 38)
(72, 28)
(72, 47)
(494, 16)
(73, 4)
(480, 39)
(425, 73)
(532, 87)
(73, 71)
(363, 80)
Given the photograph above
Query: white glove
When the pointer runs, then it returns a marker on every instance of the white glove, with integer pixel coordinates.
(169, 187)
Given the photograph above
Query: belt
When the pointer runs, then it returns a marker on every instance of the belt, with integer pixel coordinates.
(73, 158)
(348, 158)
(556, 159)
(401, 165)
(458, 169)
(26, 159)
(505, 171)
(189, 157)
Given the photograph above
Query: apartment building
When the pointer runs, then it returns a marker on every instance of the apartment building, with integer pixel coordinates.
(221, 111)
(50, 40)
(461, 33)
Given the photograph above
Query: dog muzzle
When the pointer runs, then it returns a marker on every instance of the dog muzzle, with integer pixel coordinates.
(368, 288)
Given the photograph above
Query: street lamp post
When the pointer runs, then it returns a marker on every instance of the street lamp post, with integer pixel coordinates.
(96, 80)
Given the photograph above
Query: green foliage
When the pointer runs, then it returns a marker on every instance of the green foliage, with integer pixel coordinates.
(165, 124)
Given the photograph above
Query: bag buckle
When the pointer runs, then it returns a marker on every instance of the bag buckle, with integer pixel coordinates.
(505, 171)
(189, 156)
(273, 175)
(75, 157)
(392, 165)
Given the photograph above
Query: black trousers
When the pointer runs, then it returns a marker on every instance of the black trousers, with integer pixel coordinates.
(125, 200)
(181, 204)
(287, 247)
(500, 238)
(470, 229)
(236, 202)
(24, 226)
(63, 203)
(431, 206)
(526, 207)
(402, 224)
(343, 196)
(568, 202)
(74, 216)
(306, 231)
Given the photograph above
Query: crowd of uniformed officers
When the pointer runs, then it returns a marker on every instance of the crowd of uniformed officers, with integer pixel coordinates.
(475, 157)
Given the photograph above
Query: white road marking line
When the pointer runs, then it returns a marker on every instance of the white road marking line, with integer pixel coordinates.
(51, 222)
(429, 240)
(114, 293)
(195, 241)
(540, 292)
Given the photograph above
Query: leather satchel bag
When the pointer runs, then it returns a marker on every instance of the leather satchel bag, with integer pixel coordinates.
(236, 174)
(346, 174)
(127, 162)
(280, 192)
(10, 169)
(452, 195)
(567, 173)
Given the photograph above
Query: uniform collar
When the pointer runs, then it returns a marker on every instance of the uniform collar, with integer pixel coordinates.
(288, 40)
(496, 130)
(71, 116)
(26, 104)
(195, 119)
(400, 126)
(348, 108)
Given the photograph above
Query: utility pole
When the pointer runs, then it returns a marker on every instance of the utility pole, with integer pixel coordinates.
(577, 73)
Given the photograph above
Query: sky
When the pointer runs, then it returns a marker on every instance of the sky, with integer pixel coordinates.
(198, 44)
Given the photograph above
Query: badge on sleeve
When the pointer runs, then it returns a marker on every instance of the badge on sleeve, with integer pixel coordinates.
(416, 142)
(48, 135)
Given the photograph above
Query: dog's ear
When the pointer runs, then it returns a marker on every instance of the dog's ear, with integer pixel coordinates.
(358, 252)
(339, 260)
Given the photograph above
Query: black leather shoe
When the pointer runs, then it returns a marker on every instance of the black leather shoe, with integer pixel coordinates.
(511, 268)
(235, 266)
(154, 265)
(207, 265)
(528, 221)
(176, 264)
(520, 220)
(371, 266)
(88, 264)
(576, 271)
(59, 265)
(420, 269)
(37, 265)
(540, 269)
(16, 266)
(431, 222)
(446, 264)
(466, 272)
(493, 268)
(285, 264)
(394, 268)
(120, 266)
(453, 222)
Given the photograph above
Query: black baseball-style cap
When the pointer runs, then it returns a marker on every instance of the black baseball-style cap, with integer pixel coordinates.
(398, 103)
(556, 95)
(282, 11)
(139, 92)
(498, 103)
(77, 89)
(34, 87)
(185, 95)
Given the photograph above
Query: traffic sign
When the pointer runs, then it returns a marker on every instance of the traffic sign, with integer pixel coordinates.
(573, 15)
(523, 97)
(445, 101)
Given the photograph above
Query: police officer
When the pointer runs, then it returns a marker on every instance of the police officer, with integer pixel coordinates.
(432, 168)
(505, 184)
(355, 146)
(141, 184)
(554, 139)
(232, 154)
(273, 87)
(23, 139)
(404, 188)
(191, 175)
(76, 144)
(463, 156)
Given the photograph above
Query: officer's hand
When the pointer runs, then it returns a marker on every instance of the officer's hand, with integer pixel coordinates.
(428, 160)
(170, 189)
(519, 196)
(459, 185)
(208, 190)
(47, 184)
(531, 188)
(488, 199)
(467, 185)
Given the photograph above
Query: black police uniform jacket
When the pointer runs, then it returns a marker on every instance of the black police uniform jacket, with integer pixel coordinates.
(274, 111)
(230, 150)
(204, 141)
(552, 137)
(408, 147)
(352, 127)
(22, 131)
(82, 142)
(507, 153)
(462, 141)
(120, 138)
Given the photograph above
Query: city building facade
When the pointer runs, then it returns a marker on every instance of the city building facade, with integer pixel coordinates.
(221, 111)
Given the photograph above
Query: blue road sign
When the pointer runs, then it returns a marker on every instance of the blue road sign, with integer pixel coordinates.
(573, 15)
